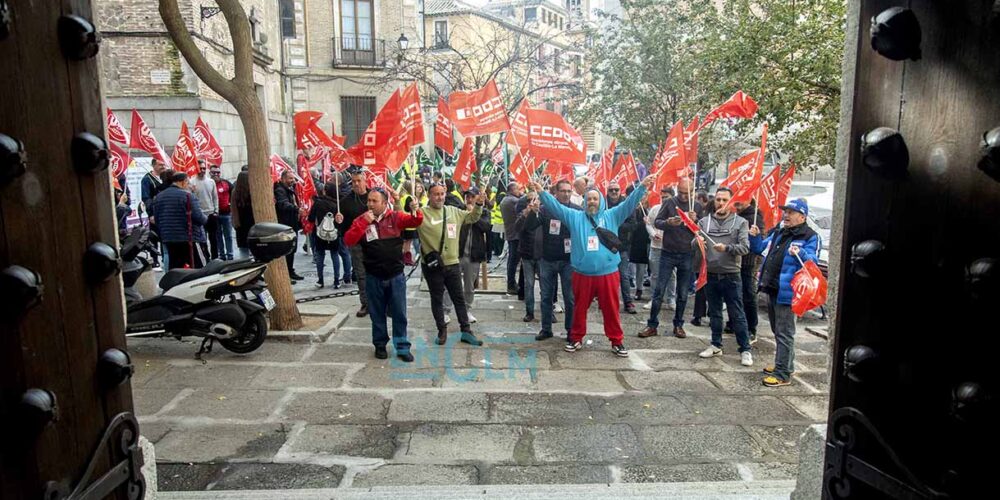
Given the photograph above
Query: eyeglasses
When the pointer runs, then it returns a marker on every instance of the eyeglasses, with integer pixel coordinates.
(565, 190)
(614, 190)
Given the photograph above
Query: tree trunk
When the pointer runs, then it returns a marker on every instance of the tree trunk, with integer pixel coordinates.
(240, 92)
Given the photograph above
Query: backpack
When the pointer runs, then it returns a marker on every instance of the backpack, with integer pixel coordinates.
(327, 228)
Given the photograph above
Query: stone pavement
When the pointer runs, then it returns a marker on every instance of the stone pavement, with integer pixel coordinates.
(321, 412)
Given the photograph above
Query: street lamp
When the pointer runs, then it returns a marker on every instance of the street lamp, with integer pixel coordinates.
(404, 42)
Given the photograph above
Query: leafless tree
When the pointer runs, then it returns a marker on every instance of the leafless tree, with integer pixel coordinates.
(240, 92)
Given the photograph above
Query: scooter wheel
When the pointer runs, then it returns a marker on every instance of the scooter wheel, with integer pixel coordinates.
(251, 335)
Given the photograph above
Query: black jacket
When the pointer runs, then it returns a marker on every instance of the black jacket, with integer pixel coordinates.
(529, 244)
(627, 228)
(675, 238)
(286, 204)
(639, 246)
(352, 205)
(750, 261)
(553, 245)
(478, 231)
(322, 205)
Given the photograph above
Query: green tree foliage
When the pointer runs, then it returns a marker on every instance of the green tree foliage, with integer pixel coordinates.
(672, 60)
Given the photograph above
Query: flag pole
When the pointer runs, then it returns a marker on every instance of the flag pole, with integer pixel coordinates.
(336, 182)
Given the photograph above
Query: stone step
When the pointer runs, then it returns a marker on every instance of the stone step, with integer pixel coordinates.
(725, 490)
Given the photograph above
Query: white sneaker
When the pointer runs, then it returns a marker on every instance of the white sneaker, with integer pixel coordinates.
(710, 351)
(557, 308)
(447, 319)
(647, 306)
(472, 319)
(672, 304)
(746, 359)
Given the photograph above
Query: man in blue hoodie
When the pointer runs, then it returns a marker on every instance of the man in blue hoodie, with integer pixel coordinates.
(595, 267)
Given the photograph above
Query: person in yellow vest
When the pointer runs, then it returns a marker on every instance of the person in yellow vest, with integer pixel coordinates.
(496, 221)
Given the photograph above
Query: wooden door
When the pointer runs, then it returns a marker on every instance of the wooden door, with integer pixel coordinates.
(65, 400)
(914, 389)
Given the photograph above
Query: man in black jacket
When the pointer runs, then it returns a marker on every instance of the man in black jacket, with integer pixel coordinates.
(555, 260)
(472, 249)
(625, 235)
(529, 248)
(286, 204)
(676, 254)
(352, 206)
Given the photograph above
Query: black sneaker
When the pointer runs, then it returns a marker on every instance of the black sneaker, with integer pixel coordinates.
(293, 275)
(542, 335)
(620, 350)
(573, 346)
(407, 357)
(528, 318)
(381, 353)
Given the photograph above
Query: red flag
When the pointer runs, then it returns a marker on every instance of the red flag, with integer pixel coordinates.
(116, 132)
(466, 165)
(627, 173)
(412, 119)
(691, 141)
(602, 176)
(559, 170)
(784, 186)
(687, 221)
(551, 138)
(205, 144)
(444, 137)
(142, 138)
(739, 105)
(376, 150)
(278, 166)
(185, 158)
(672, 162)
(305, 191)
(767, 198)
(703, 270)
(521, 167)
(518, 135)
(479, 112)
(120, 160)
(809, 288)
(745, 178)
(497, 156)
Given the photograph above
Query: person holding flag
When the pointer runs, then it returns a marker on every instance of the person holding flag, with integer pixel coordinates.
(749, 266)
(676, 254)
(595, 259)
(728, 238)
(787, 247)
(286, 205)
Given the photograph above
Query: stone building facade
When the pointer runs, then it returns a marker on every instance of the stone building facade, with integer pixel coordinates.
(321, 55)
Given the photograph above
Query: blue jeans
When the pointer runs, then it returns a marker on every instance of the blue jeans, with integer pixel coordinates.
(344, 253)
(224, 237)
(783, 325)
(669, 262)
(320, 248)
(549, 272)
(623, 271)
(388, 298)
(727, 288)
(529, 266)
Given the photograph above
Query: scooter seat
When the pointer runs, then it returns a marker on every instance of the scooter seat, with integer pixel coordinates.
(175, 277)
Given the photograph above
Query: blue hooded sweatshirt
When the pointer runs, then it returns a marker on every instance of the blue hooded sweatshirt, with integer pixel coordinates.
(587, 255)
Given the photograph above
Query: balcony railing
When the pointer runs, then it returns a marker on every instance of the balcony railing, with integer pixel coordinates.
(358, 52)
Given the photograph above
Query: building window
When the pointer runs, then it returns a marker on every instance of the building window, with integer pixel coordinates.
(440, 34)
(357, 24)
(356, 113)
(530, 14)
(556, 65)
(287, 12)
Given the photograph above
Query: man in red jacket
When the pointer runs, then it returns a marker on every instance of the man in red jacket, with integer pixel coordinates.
(379, 232)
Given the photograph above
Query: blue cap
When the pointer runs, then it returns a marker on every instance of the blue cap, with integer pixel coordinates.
(799, 205)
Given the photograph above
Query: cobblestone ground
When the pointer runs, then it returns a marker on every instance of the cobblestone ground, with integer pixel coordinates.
(326, 413)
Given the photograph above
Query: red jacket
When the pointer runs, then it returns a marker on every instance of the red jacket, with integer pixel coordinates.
(382, 241)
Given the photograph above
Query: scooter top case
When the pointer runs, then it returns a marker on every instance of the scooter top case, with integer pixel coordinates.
(269, 241)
